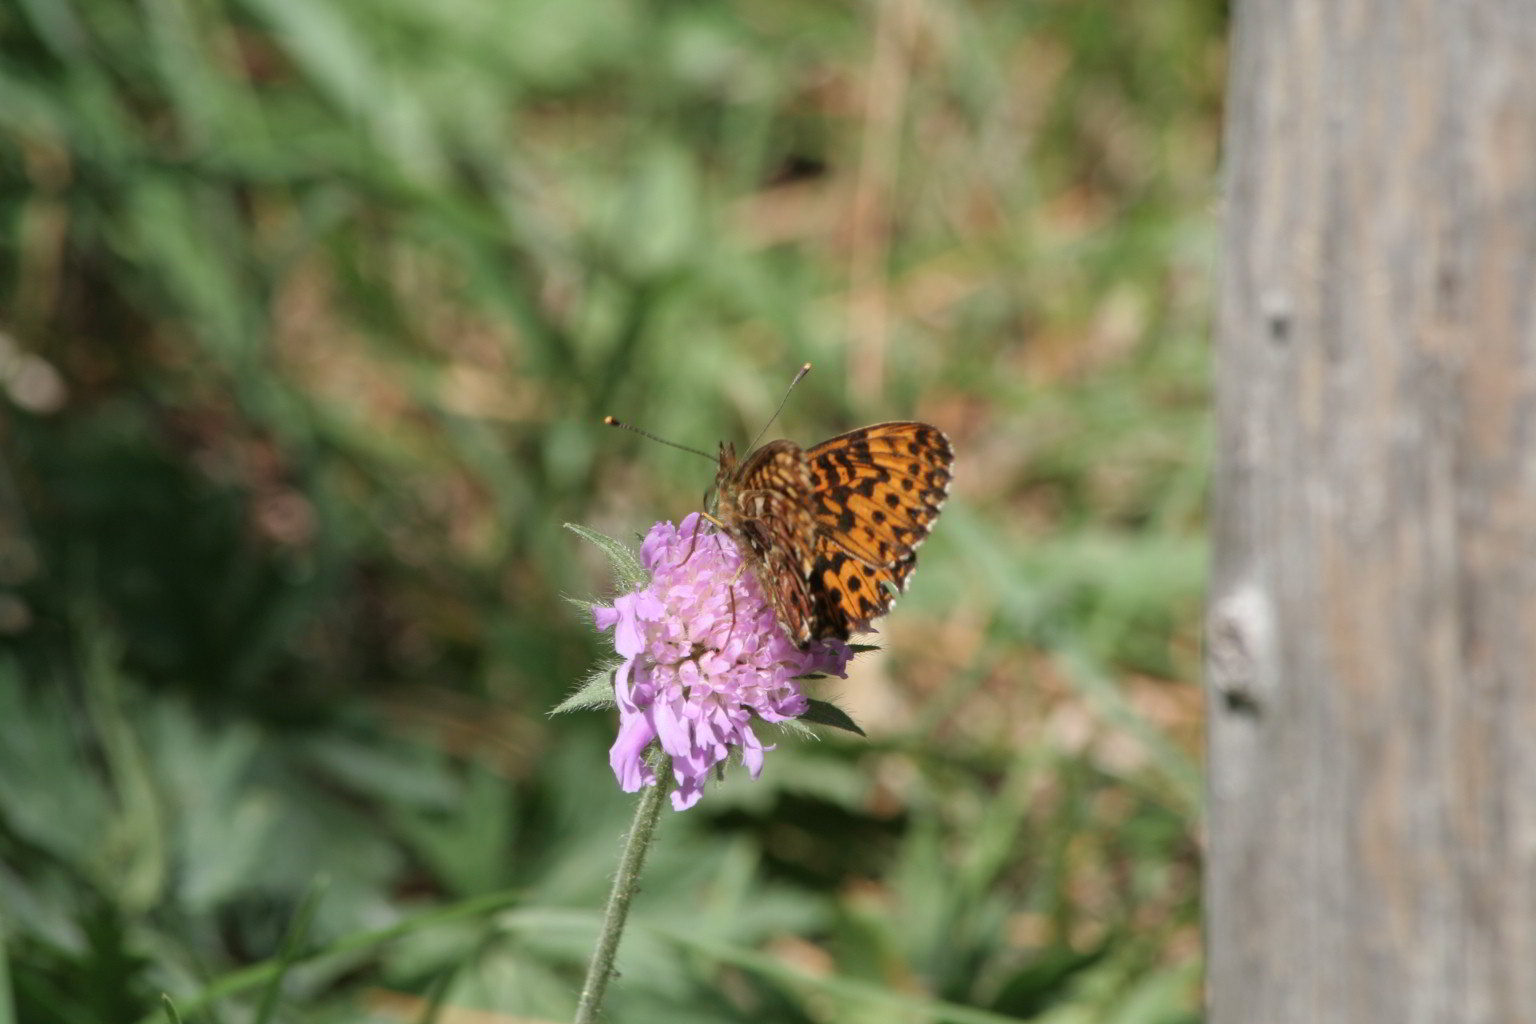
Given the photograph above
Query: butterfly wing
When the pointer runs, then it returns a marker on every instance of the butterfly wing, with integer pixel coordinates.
(875, 493)
(766, 507)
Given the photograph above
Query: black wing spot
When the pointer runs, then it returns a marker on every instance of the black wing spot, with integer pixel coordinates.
(893, 500)
(914, 468)
(879, 514)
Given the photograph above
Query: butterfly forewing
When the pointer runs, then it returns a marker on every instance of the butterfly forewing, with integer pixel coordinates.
(832, 532)
(877, 492)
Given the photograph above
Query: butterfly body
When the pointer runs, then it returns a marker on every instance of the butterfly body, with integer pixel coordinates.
(831, 532)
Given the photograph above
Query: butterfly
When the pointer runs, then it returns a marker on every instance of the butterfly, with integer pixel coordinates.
(831, 532)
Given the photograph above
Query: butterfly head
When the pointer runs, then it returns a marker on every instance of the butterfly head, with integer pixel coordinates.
(726, 474)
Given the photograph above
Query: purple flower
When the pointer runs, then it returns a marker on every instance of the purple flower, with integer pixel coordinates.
(703, 654)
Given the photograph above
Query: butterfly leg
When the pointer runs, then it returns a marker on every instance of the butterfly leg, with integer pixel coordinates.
(731, 586)
(694, 542)
(730, 590)
(731, 593)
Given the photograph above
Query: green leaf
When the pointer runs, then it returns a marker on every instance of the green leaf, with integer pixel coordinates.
(596, 691)
(262, 972)
(821, 712)
(628, 573)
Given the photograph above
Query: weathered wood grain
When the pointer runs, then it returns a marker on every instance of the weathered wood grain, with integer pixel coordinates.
(1372, 625)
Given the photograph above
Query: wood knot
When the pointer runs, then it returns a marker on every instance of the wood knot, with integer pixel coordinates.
(1239, 650)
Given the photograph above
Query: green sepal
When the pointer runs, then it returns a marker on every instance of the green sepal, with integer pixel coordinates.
(820, 712)
(797, 727)
(628, 573)
(596, 691)
(863, 648)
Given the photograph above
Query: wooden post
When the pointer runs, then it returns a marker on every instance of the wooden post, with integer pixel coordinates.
(1372, 626)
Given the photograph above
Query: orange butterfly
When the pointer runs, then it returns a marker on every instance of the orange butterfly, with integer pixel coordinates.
(832, 532)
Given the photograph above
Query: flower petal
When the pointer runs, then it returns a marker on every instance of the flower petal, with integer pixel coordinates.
(704, 657)
(627, 755)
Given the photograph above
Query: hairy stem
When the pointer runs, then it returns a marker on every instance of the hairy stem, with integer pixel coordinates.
(625, 884)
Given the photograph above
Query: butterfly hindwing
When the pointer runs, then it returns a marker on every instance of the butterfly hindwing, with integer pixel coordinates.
(847, 592)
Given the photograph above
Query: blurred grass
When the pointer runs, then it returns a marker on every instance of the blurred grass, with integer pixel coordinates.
(308, 315)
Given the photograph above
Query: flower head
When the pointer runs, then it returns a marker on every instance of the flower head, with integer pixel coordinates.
(703, 655)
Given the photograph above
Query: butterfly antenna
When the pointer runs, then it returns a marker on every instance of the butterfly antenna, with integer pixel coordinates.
(782, 402)
(659, 440)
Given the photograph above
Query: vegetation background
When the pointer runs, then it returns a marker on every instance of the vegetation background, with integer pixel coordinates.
(308, 316)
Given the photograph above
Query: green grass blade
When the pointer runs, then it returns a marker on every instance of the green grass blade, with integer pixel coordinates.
(868, 995)
(437, 997)
(7, 998)
(293, 945)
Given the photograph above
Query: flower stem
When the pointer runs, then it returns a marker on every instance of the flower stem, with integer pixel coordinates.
(625, 884)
